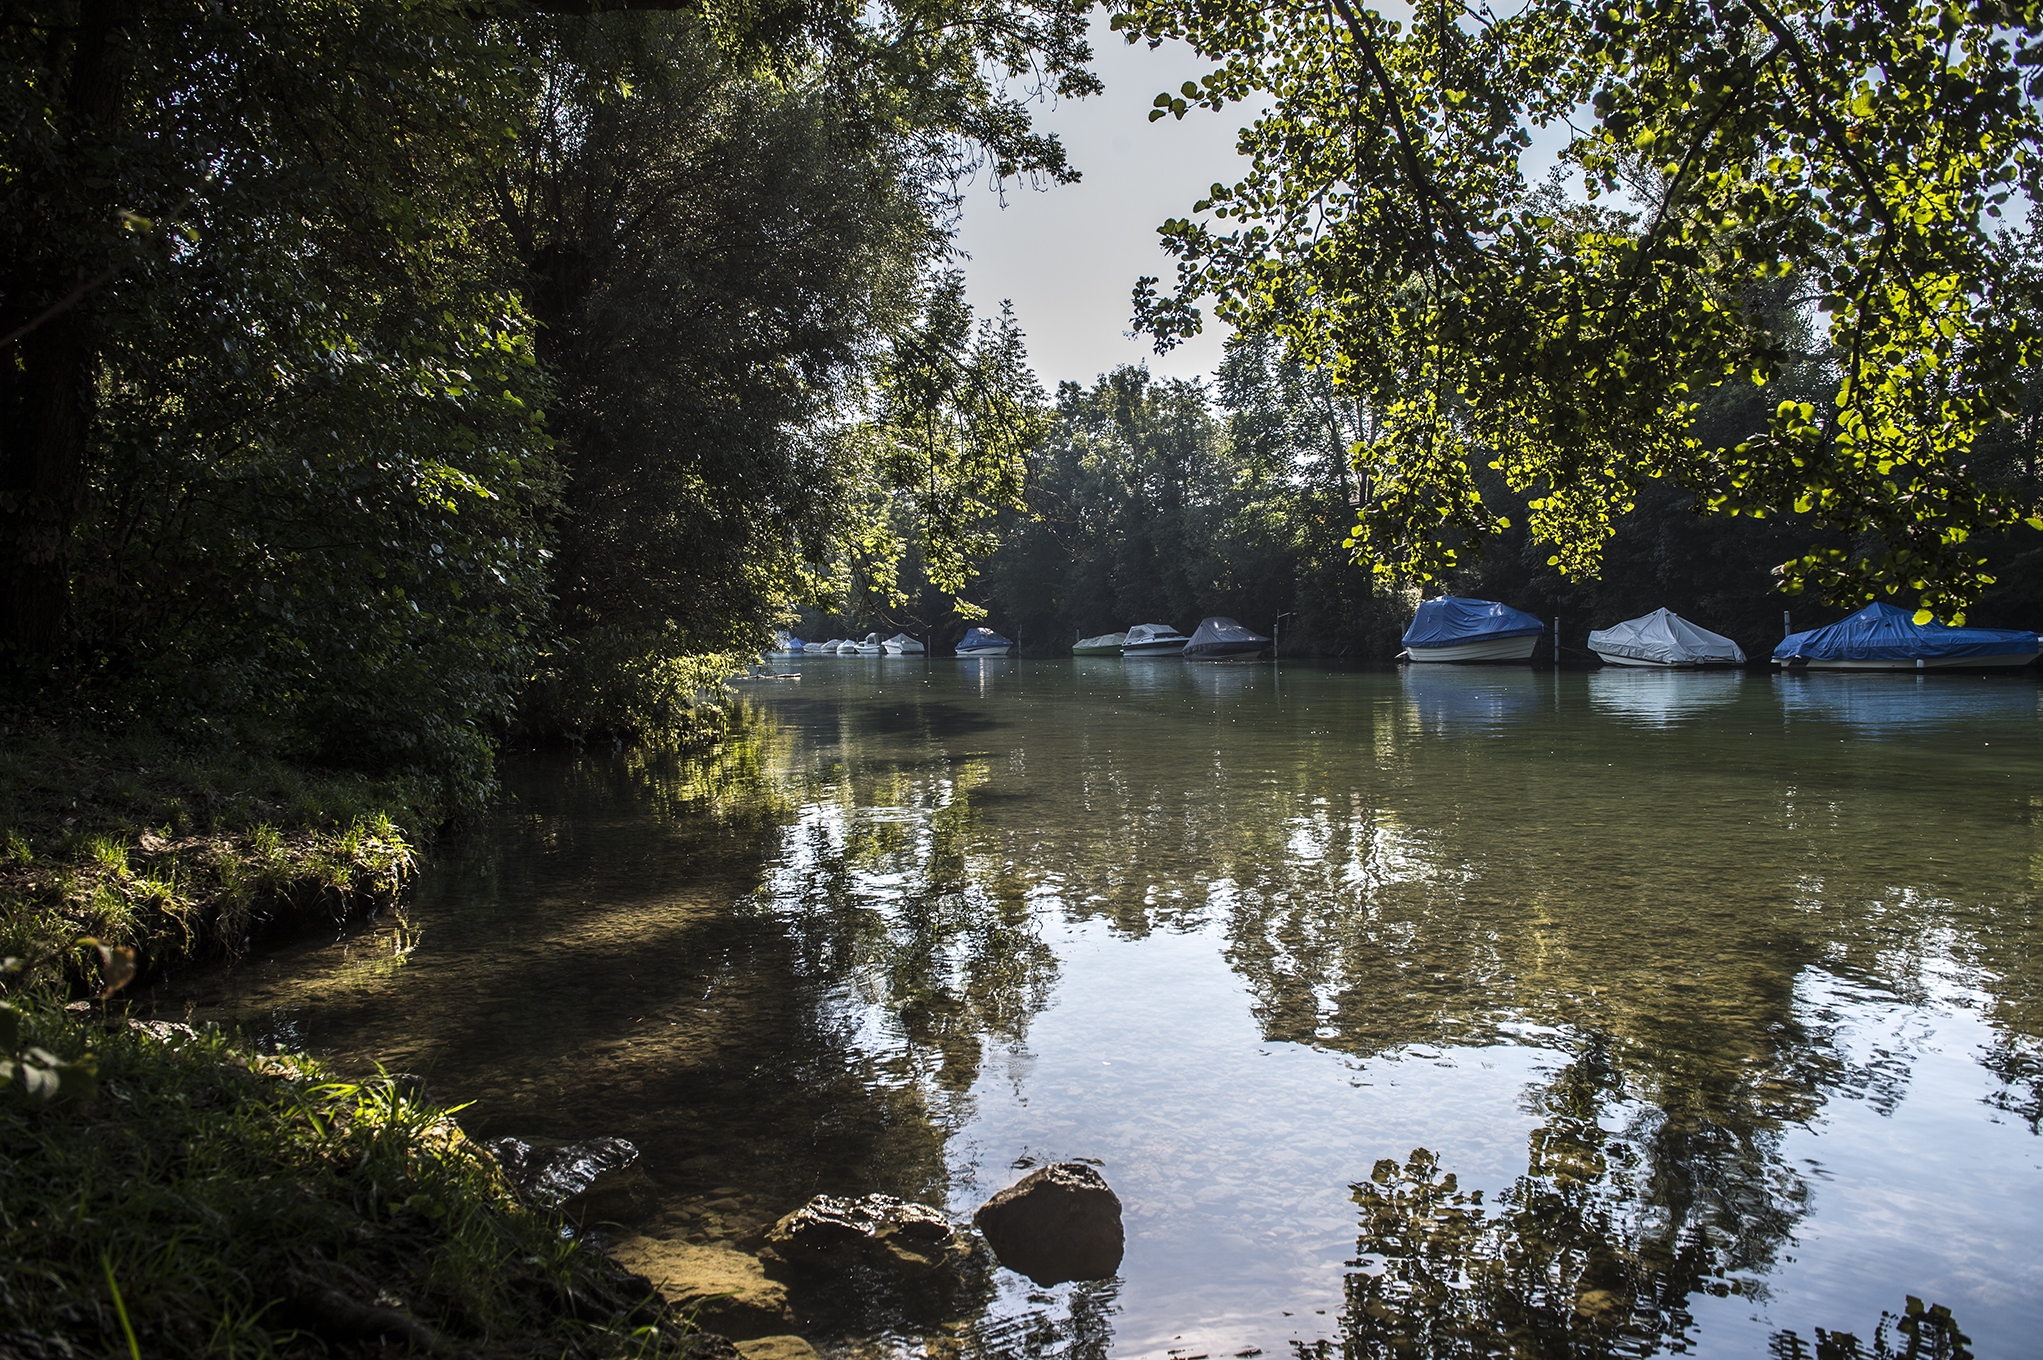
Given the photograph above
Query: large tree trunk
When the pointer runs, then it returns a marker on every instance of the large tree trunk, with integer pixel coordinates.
(47, 373)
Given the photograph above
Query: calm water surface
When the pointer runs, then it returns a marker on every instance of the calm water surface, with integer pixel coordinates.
(1593, 1013)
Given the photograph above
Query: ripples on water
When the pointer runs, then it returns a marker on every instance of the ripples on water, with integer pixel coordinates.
(1444, 1012)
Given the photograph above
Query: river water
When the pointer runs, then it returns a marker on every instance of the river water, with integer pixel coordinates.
(1441, 1011)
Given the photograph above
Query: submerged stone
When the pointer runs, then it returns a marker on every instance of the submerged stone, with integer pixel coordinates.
(777, 1348)
(727, 1292)
(1057, 1223)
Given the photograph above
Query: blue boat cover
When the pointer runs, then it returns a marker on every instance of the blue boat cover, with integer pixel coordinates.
(1450, 620)
(983, 637)
(1885, 632)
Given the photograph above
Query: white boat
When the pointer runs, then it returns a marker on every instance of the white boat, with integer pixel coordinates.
(1106, 644)
(984, 642)
(1451, 628)
(872, 646)
(1153, 639)
(1222, 639)
(848, 647)
(1483, 649)
(1664, 639)
(902, 645)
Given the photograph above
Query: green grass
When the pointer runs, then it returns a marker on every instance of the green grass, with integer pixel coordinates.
(179, 851)
(212, 1201)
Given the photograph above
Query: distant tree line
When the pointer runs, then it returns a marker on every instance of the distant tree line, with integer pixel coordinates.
(1167, 500)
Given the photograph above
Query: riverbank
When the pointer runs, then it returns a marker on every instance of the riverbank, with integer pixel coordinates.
(179, 851)
(194, 1197)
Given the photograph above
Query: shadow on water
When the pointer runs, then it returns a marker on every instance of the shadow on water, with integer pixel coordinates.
(1622, 983)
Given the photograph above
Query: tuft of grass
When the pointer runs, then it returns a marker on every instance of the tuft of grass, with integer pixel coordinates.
(178, 852)
(211, 1201)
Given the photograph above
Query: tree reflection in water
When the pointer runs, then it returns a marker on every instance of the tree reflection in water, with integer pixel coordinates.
(1624, 1215)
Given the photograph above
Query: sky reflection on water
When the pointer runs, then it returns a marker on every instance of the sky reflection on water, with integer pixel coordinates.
(1721, 991)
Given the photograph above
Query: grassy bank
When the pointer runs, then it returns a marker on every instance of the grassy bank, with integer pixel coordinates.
(195, 1198)
(180, 852)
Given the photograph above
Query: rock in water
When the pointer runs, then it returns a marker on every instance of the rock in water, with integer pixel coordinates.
(1055, 1224)
(831, 1231)
(549, 1176)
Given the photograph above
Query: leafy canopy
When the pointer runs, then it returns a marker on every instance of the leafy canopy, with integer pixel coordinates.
(1854, 153)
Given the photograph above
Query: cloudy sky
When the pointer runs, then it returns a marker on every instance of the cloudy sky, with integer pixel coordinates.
(1068, 255)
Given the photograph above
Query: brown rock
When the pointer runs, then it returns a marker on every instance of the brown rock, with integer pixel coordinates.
(1055, 1224)
(835, 1233)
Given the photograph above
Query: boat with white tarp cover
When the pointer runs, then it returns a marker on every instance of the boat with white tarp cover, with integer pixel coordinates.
(902, 645)
(1222, 639)
(1454, 628)
(1664, 638)
(1885, 637)
(1153, 639)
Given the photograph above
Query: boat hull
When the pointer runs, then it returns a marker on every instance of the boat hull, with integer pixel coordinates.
(1223, 651)
(1482, 649)
(904, 651)
(1615, 659)
(1176, 648)
(1096, 651)
(1920, 663)
(984, 651)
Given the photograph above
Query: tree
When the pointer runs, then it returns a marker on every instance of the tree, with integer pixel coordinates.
(271, 447)
(1857, 151)
(391, 355)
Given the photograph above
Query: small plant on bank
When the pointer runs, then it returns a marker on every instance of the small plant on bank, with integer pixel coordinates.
(183, 1196)
(178, 852)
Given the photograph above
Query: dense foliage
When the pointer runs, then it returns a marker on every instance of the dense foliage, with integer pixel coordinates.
(1857, 153)
(376, 371)
(1166, 501)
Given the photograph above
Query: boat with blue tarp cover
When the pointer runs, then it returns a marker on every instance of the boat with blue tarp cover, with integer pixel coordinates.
(1454, 628)
(984, 642)
(1885, 637)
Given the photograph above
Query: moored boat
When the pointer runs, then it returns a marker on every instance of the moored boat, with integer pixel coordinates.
(1153, 639)
(902, 645)
(1106, 644)
(1221, 639)
(1453, 628)
(984, 642)
(1662, 639)
(872, 646)
(1885, 637)
(785, 644)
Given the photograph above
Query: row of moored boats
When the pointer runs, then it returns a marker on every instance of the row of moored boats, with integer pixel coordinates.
(1878, 637)
(873, 645)
(1215, 639)
(1453, 628)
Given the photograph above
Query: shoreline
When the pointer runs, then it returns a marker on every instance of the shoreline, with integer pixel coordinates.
(188, 1195)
